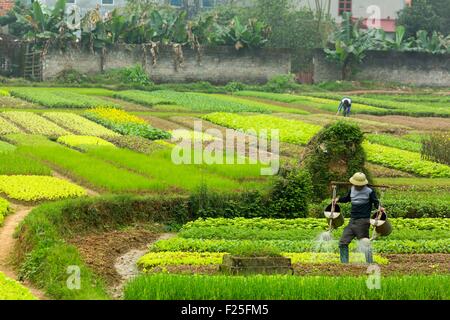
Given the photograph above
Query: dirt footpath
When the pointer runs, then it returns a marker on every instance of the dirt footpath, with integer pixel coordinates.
(7, 243)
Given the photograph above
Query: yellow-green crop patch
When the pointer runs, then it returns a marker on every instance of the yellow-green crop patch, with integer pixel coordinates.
(79, 124)
(38, 188)
(7, 127)
(4, 209)
(83, 141)
(34, 123)
(12, 290)
(291, 131)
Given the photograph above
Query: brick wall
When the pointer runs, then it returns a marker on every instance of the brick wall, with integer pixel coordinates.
(216, 64)
(5, 6)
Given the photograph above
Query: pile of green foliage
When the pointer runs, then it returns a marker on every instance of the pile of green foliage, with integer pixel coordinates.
(334, 154)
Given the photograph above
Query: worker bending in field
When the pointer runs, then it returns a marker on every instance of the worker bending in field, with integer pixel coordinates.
(362, 198)
(345, 105)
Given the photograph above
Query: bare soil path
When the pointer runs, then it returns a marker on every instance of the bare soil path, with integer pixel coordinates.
(113, 254)
(7, 243)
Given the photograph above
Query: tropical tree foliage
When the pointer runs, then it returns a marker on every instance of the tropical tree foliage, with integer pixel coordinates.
(428, 15)
(351, 43)
(139, 23)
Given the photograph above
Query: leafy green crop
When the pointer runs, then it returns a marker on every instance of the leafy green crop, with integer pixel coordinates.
(304, 228)
(395, 142)
(60, 98)
(392, 107)
(202, 102)
(405, 160)
(257, 104)
(379, 246)
(141, 97)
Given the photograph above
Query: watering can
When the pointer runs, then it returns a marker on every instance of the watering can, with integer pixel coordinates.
(379, 221)
(333, 213)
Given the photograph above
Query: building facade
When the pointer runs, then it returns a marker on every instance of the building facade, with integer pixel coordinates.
(5, 6)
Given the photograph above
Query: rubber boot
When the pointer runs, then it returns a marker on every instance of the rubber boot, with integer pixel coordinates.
(369, 257)
(343, 250)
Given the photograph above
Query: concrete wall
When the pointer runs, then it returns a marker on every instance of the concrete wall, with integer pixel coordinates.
(400, 67)
(216, 64)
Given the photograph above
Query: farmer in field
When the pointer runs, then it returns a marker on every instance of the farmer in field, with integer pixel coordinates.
(362, 198)
(345, 106)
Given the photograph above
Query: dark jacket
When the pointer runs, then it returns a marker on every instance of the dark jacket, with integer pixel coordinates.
(362, 202)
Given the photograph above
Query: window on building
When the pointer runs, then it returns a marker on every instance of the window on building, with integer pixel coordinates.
(208, 3)
(345, 6)
(70, 1)
(176, 3)
(107, 1)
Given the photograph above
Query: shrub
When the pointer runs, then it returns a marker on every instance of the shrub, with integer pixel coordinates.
(281, 83)
(135, 75)
(71, 76)
(234, 86)
(291, 194)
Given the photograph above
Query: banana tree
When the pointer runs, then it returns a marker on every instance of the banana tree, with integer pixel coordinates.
(435, 44)
(399, 43)
(47, 26)
(351, 44)
(254, 34)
